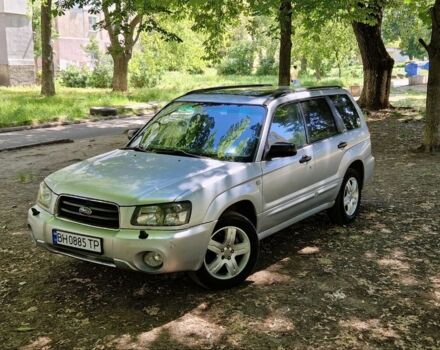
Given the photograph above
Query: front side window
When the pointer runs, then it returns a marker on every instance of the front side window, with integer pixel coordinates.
(287, 126)
(347, 111)
(220, 131)
(319, 119)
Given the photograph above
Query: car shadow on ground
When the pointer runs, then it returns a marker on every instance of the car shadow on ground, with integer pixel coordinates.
(168, 307)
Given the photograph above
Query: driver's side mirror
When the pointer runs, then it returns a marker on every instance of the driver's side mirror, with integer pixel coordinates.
(131, 133)
(281, 150)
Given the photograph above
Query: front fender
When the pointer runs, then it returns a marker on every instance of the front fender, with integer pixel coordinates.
(250, 191)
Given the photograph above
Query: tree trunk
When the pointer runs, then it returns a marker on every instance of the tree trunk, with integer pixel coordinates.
(47, 77)
(285, 20)
(377, 65)
(120, 72)
(431, 140)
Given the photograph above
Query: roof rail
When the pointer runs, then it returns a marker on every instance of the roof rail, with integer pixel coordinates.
(324, 87)
(225, 87)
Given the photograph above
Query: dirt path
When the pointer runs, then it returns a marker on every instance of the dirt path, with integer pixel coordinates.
(375, 284)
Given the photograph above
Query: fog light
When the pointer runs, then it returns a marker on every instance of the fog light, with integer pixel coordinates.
(153, 259)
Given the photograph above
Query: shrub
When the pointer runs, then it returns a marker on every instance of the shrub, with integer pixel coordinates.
(239, 60)
(101, 76)
(144, 72)
(268, 66)
(75, 77)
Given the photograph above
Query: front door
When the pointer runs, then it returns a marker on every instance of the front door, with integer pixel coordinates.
(287, 182)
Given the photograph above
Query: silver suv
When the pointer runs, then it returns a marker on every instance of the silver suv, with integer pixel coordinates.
(206, 179)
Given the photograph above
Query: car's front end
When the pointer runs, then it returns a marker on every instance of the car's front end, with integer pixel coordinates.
(146, 206)
(153, 250)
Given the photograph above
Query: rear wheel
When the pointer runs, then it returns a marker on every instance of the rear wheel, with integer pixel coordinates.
(231, 255)
(347, 204)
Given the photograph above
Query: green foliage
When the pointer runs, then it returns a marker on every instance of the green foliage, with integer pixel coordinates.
(81, 77)
(402, 25)
(331, 45)
(268, 66)
(35, 7)
(238, 60)
(100, 76)
(102, 66)
(74, 77)
(186, 55)
(145, 70)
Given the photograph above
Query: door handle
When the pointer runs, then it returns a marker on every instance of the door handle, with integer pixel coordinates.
(342, 145)
(305, 159)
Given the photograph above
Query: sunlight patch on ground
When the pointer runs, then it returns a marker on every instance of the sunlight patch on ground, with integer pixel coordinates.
(191, 330)
(41, 343)
(271, 275)
(275, 322)
(265, 277)
(372, 326)
(309, 250)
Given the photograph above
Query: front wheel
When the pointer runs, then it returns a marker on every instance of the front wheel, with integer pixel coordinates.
(348, 202)
(231, 255)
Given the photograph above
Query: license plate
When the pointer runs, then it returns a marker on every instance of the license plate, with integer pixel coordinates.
(74, 240)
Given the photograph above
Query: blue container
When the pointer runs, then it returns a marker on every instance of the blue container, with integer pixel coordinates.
(426, 66)
(412, 69)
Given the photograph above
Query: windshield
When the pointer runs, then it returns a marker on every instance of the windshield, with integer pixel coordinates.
(220, 131)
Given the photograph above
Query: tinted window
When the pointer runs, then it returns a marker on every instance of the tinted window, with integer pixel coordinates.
(221, 131)
(288, 126)
(319, 119)
(347, 111)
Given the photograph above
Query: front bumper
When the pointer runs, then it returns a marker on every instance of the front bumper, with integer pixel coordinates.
(183, 250)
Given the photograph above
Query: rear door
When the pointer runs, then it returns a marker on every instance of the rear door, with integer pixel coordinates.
(287, 182)
(327, 139)
(346, 111)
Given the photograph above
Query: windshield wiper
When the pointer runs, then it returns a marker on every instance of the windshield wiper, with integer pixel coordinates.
(136, 149)
(176, 152)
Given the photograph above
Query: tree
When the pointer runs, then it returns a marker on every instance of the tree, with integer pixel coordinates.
(285, 22)
(431, 141)
(377, 63)
(329, 45)
(48, 74)
(403, 27)
(214, 17)
(124, 21)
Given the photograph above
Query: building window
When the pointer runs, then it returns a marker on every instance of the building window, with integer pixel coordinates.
(92, 23)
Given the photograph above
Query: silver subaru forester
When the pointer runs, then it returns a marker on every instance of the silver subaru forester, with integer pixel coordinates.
(208, 177)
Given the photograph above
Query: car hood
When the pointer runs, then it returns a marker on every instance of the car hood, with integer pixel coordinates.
(131, 178)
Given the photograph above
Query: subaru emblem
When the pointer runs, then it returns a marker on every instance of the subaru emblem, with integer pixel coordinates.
(85, 211)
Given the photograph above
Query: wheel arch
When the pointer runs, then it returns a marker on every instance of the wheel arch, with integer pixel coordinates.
(245, 208)
(358, 166)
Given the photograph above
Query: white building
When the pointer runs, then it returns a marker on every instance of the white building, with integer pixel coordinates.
(16, 44)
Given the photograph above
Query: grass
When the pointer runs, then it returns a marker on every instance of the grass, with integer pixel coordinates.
(409, 97)
(25, 177)
(25, 106)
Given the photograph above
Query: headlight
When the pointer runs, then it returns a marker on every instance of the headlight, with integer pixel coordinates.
(169, 214)
(44, 197)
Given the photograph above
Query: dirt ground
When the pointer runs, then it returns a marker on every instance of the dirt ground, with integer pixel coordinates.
(374, 284)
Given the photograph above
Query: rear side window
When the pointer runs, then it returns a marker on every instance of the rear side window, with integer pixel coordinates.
(319, 119)
(288, 126)
(347, 111)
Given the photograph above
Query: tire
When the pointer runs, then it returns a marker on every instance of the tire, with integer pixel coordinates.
(345, 213)
(231, 255)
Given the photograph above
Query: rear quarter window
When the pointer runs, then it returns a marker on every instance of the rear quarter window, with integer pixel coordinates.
(347, 111)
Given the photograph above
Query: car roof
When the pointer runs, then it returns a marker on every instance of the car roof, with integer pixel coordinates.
(255, 94)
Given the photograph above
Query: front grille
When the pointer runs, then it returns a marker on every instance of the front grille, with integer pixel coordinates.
(89, 211)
